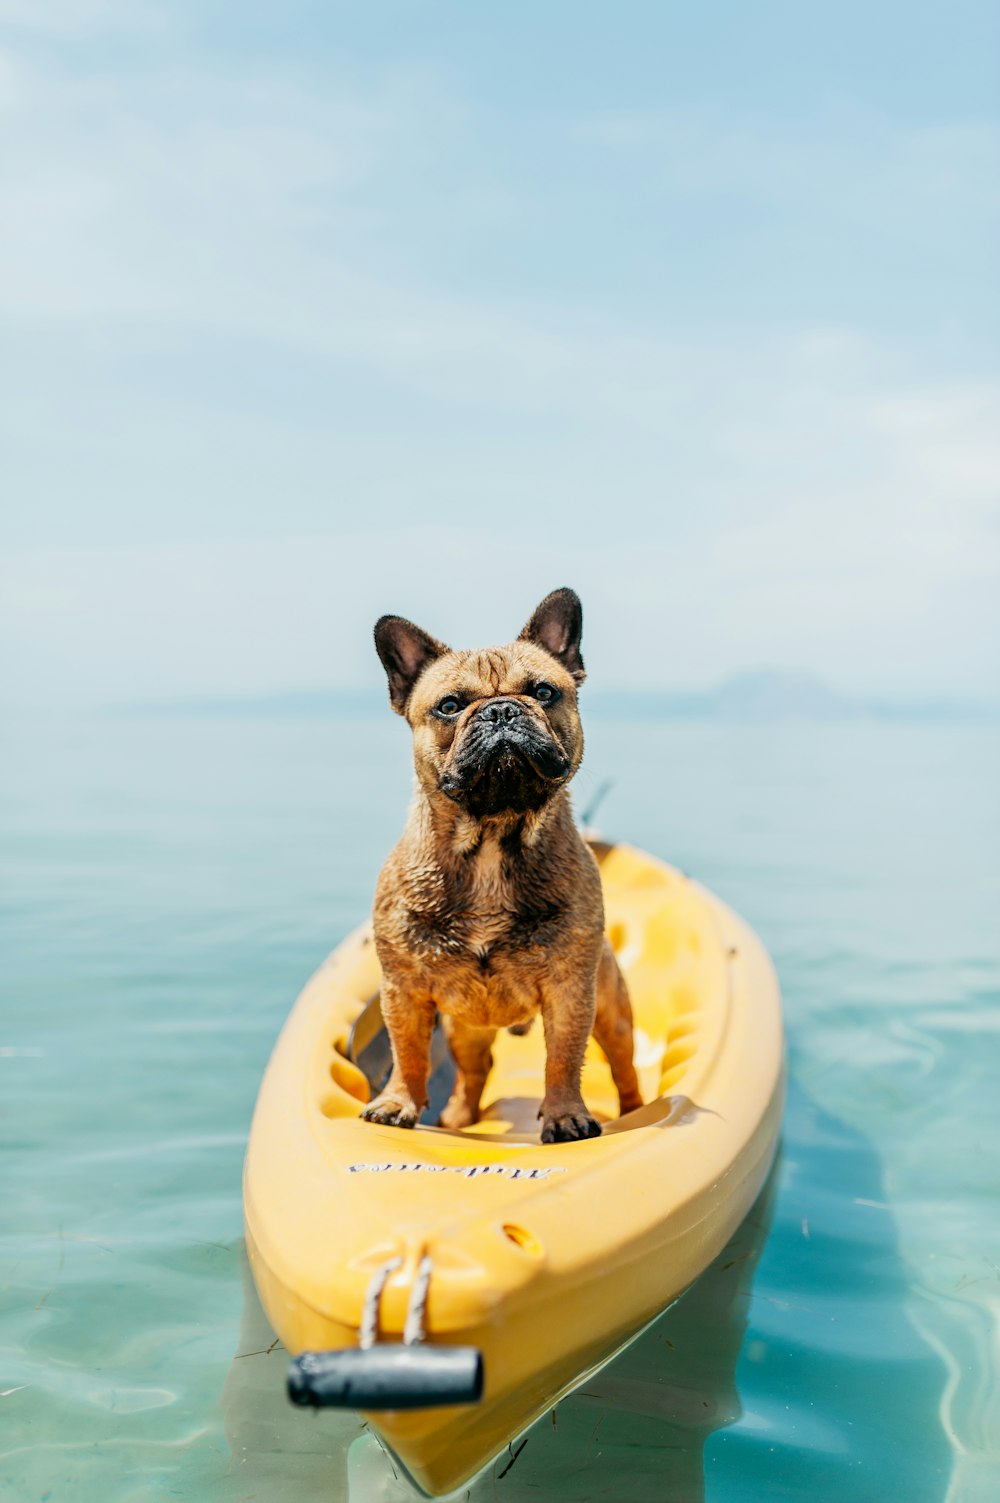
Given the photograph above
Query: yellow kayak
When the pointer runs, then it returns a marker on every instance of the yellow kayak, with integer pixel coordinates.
(481, 1269)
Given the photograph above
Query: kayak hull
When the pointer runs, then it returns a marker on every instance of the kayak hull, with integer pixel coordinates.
(547, 1258)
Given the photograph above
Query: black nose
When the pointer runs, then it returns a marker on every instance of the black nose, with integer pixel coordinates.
(500, 711)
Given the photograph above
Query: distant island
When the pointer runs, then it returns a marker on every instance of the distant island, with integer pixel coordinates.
(753, 696)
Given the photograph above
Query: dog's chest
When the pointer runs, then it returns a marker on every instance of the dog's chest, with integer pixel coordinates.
(492, 904)
(482, 948)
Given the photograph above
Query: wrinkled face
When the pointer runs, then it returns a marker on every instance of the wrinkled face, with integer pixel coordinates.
(497, 731)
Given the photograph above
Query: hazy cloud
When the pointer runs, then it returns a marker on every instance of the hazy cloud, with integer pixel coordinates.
(242, 415)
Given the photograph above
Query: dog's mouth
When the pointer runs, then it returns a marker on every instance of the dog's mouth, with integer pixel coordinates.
(510, 770)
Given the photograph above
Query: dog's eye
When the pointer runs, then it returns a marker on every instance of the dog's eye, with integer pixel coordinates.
(449, 707)
(545, 694)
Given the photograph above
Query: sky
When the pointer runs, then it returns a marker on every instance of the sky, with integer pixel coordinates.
(315, 311)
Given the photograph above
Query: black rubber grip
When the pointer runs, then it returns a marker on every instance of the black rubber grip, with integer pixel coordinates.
(387, 1376)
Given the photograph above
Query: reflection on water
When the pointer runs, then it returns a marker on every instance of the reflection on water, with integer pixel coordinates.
(166, 888)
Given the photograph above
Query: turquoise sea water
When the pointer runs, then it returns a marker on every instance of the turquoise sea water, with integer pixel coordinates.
(168, 885)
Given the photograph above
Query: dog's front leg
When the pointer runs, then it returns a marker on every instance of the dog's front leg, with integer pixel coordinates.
(409, 1020)
(568, 1007)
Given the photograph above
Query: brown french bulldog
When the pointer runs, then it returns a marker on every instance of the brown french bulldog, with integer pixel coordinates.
(489, 909)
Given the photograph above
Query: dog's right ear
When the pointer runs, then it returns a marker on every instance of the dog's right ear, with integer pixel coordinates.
(405, 651)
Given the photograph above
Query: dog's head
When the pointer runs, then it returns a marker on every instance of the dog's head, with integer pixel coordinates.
(497, 731)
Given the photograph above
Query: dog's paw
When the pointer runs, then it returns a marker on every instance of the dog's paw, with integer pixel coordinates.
(569, 1127)
(391, 1112)
(456, 1115)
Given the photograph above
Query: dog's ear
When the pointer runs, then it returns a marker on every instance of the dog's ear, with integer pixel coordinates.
(405, 651)
(557, 625)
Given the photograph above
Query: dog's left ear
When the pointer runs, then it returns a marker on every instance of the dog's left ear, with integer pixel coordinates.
(405, 650)
(557, 625)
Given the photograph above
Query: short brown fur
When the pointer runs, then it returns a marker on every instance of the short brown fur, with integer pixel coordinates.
(489, 910)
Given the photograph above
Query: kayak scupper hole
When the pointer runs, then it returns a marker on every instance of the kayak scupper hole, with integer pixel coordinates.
(522, 1239)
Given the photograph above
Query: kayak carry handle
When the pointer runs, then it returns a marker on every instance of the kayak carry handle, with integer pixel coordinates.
(388, 1375)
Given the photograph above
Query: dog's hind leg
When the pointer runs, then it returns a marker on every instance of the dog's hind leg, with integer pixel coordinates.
(613, 1030)
(472, 1051)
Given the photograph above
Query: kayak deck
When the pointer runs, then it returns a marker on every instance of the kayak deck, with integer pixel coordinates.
(544, 1257)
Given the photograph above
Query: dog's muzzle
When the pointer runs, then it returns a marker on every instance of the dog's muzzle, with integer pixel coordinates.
(505, 760)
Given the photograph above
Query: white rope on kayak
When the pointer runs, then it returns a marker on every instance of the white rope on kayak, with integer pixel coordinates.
(368, 1334)
(413, 1331)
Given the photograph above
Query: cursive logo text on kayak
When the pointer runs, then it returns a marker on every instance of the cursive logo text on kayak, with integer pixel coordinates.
(467, 1171)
